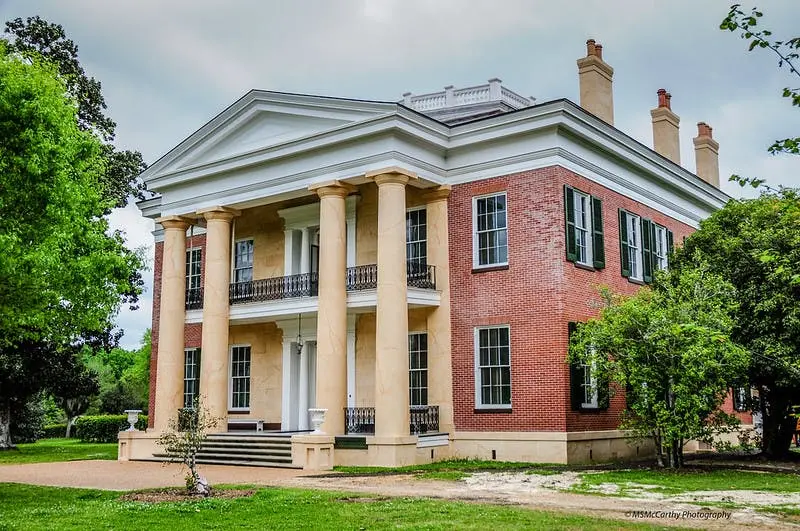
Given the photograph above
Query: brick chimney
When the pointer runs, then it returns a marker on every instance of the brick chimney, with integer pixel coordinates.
(666, 140)
(595, 83)
(706, 152)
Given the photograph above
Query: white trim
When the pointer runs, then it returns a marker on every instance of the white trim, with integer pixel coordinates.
(286, 382)
(592, 385)
(475, 259)
(351, 360)
(233, 259)
(300, 217)
(476, 363)
(230, 377)
(661, 237)
(588, 215)
(634, 219)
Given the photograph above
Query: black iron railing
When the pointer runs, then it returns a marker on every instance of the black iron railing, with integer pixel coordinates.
(194, 298)
(357, 278)
(276, 288)
(424, 419)
(359, 420)
(361, 277)
(421, 275)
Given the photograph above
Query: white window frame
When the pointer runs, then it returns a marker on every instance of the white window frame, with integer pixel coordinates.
(661, 251)
(584, 228)
(412, 370)
(635, 246)
(477, 363)
(193, 280)
(417, 242)
(475, 237)
(196, 377)
(230, 378)
(234, 268)
(589, 385)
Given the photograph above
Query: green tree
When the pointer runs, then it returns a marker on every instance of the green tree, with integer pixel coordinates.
(63, 273)
(755, 246)
(35, 38)
(668, 346)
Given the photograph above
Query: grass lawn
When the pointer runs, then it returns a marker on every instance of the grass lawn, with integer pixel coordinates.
(669, 482)
(52, 450)
(453, 466)
(29, 507)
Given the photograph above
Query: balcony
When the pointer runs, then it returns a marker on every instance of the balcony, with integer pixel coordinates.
(358, 278)
(361, 420)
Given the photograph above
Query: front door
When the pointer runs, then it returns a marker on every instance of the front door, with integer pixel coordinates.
(303, 384)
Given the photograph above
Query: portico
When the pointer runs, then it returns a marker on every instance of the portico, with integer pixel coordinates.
(293, 336)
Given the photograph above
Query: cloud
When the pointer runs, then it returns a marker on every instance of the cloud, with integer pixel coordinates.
(168, 67)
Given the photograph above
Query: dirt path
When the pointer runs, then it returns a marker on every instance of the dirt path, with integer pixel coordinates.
(525, 490)
(538, 497)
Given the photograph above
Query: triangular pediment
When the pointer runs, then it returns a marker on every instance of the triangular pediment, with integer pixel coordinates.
(259, 130)
(260, 120)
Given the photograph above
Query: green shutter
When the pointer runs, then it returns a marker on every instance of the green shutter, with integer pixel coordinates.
(670, 243)
(624, 259)
(569, 214)
(598, 241)
(575, 376)
(647, 250)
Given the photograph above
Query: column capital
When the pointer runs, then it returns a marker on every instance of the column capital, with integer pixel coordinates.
(219, 213)
(440, 193)
(333, 187)
(174, 222)
(392, 174)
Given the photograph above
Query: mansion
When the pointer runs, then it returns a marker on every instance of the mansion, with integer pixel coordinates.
(403, 276)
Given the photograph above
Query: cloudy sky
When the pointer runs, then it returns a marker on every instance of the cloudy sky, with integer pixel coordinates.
(168, 66)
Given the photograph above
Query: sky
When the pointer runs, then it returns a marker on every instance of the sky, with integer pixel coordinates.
(168, 66)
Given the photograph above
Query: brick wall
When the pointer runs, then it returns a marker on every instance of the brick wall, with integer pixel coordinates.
(192, 332)
(537, 295)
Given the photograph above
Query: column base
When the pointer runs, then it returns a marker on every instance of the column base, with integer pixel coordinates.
(313, 452)
(392, 451)
(138, 445)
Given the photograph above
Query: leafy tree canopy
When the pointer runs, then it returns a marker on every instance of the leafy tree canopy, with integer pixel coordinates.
(35, 38)
(63, 272)
(669, 347)
(755, 246)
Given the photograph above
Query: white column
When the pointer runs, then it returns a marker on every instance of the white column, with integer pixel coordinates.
(286, 388)
(350, 227)
(351, 360)
(303, 395)
(305, 251)
(287, 251)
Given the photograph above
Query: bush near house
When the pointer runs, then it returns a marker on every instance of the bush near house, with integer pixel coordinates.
(55, 431)
(104, 428)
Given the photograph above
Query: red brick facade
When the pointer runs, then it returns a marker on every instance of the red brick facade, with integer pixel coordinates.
(537, 296)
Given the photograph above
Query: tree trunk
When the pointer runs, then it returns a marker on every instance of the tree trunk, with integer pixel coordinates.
(70, 422)
(778, 425)
(5, 426)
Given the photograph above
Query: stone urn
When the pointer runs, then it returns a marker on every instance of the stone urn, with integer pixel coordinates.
(317, 418)
(133, 418)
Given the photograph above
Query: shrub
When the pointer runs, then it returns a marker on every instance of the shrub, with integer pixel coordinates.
(104, 428)
(54, 431)
(27, 420)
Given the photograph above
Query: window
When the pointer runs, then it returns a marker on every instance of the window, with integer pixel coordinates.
(630, 238)
(493, 367)
(191, 376)
(240, 377)
(243, 261)
(490, 233)
(584, 225)
(418, 373)
(660, 247)
(645, 246)
(193, 259)
(740, 398)
(589, 387)
(416, 236)
(588, 390)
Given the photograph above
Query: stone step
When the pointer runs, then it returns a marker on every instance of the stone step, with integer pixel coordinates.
(244, 451)
(269, 464)
(252, 439)
(245, 457)
(253, 445)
